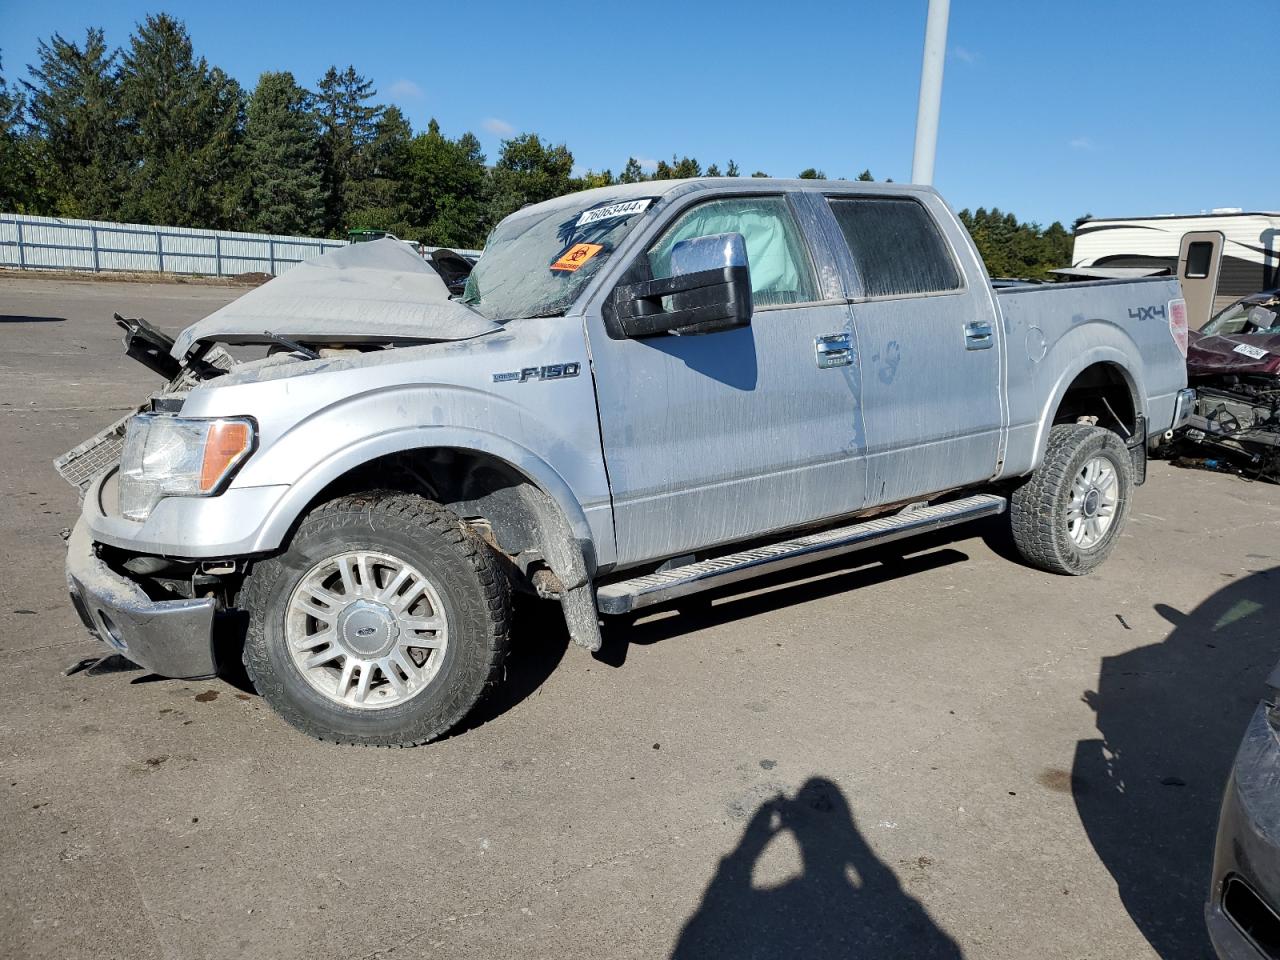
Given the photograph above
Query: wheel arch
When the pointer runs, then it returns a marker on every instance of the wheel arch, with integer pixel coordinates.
(537, 497)
(1099, 382)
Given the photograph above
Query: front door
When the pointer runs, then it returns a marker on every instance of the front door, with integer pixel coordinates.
(725, 436)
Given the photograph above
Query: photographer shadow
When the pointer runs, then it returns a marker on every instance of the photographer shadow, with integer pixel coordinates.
(846, 903)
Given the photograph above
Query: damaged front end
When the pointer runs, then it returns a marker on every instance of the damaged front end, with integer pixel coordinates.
(1239, 417)
(1234, 366)
(165, 536)
(85, 462)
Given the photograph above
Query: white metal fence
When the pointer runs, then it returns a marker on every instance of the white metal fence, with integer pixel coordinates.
(53, 243)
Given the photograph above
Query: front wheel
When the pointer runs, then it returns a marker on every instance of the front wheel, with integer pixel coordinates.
(383, 623)
(1067, 516)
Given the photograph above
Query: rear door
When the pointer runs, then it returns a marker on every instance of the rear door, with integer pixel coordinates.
(1199, 264)
(932, 399)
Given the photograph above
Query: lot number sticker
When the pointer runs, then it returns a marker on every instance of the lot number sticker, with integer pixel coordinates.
(576, 256)
(1257, 353)
(625, 208)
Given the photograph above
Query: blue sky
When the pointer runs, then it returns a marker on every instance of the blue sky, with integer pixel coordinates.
(1050, 109)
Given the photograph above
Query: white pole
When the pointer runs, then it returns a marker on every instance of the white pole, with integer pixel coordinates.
(935, 55)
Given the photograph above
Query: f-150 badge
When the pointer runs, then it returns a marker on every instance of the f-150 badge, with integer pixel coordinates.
(552, 371)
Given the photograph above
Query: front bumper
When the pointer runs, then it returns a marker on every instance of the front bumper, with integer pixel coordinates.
(1245, 894)
(173, 638)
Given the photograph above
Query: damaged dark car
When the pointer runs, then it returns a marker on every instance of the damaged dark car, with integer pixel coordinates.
(1233, 363)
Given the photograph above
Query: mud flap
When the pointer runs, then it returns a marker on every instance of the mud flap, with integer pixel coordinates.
(581, 617)
(1137, 445)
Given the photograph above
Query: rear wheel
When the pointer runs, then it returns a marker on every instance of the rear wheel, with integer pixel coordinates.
(383, 623)
(1068, 515)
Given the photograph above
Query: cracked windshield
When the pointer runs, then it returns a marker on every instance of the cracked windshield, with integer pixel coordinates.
(535, 265)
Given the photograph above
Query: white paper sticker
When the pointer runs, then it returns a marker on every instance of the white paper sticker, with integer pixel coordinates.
(1257, 353)
(625, 208)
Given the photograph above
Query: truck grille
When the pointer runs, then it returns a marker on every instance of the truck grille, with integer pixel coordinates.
(80, 465)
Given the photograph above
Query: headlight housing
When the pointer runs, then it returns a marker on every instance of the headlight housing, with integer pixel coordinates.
(167, 456)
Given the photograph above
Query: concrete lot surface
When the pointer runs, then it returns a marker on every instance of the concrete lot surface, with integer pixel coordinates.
(941, 754)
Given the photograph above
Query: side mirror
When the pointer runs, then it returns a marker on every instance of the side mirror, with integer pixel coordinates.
(709, 290)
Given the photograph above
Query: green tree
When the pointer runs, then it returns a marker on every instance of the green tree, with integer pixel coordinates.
(809, 173)
(17, 173)
(528, 171)
(677, 169)
(731, 170)
(185, 120)
(445, 188)
(1011, 248)
(283, 166)
(591, 179)
(77, 142)
(760, 173)
(632, 173)
(377, 197)
(865, 176)
(348, 126)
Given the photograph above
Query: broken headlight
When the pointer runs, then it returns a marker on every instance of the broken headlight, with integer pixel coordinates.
(166, 456)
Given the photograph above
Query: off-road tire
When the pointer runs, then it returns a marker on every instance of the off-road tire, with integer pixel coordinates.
(475, 594)
(1038, 508)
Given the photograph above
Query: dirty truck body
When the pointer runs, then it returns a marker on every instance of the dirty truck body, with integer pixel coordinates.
(646, 391)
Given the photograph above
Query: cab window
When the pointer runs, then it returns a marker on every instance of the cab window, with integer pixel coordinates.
(780, 267)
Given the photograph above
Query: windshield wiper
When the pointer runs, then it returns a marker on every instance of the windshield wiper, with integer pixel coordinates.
(292, 345)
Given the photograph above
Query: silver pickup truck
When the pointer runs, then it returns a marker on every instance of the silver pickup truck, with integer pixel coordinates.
(639, 393)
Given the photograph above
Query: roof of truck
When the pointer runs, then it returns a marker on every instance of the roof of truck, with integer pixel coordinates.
(669, 189)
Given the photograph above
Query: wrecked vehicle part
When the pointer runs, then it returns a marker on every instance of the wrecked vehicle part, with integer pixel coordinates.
(453, 268)
(1241, 417)
(1234, 366)
(375, 292)
(173, 638)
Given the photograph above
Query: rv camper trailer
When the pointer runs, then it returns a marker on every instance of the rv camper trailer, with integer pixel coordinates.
(1231, 252)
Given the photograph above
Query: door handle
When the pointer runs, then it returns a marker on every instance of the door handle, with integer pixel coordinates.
(977, 335)
(833, 350)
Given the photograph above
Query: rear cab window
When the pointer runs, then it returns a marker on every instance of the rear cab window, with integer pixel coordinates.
(897, 247)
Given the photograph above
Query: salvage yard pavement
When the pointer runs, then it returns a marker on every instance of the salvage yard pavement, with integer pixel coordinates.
(938, 753)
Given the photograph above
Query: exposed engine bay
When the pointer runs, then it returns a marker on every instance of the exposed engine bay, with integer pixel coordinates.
(1234, 365)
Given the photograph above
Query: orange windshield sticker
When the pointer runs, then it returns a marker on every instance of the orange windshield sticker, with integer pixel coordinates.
(576, 256)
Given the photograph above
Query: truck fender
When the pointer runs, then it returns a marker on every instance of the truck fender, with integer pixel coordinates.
(1079, 362)
(547, 496)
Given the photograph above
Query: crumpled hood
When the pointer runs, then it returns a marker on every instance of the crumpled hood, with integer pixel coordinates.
(363, 292)
(1239, 353)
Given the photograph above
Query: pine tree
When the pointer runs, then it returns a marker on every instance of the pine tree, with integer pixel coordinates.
(76, 117)
(17, 186)
(376, 199)
(731, 170)
(186, 120)
(632, 173)
(283, 166)
(811, 173)
(348, 125)
(865, 176)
